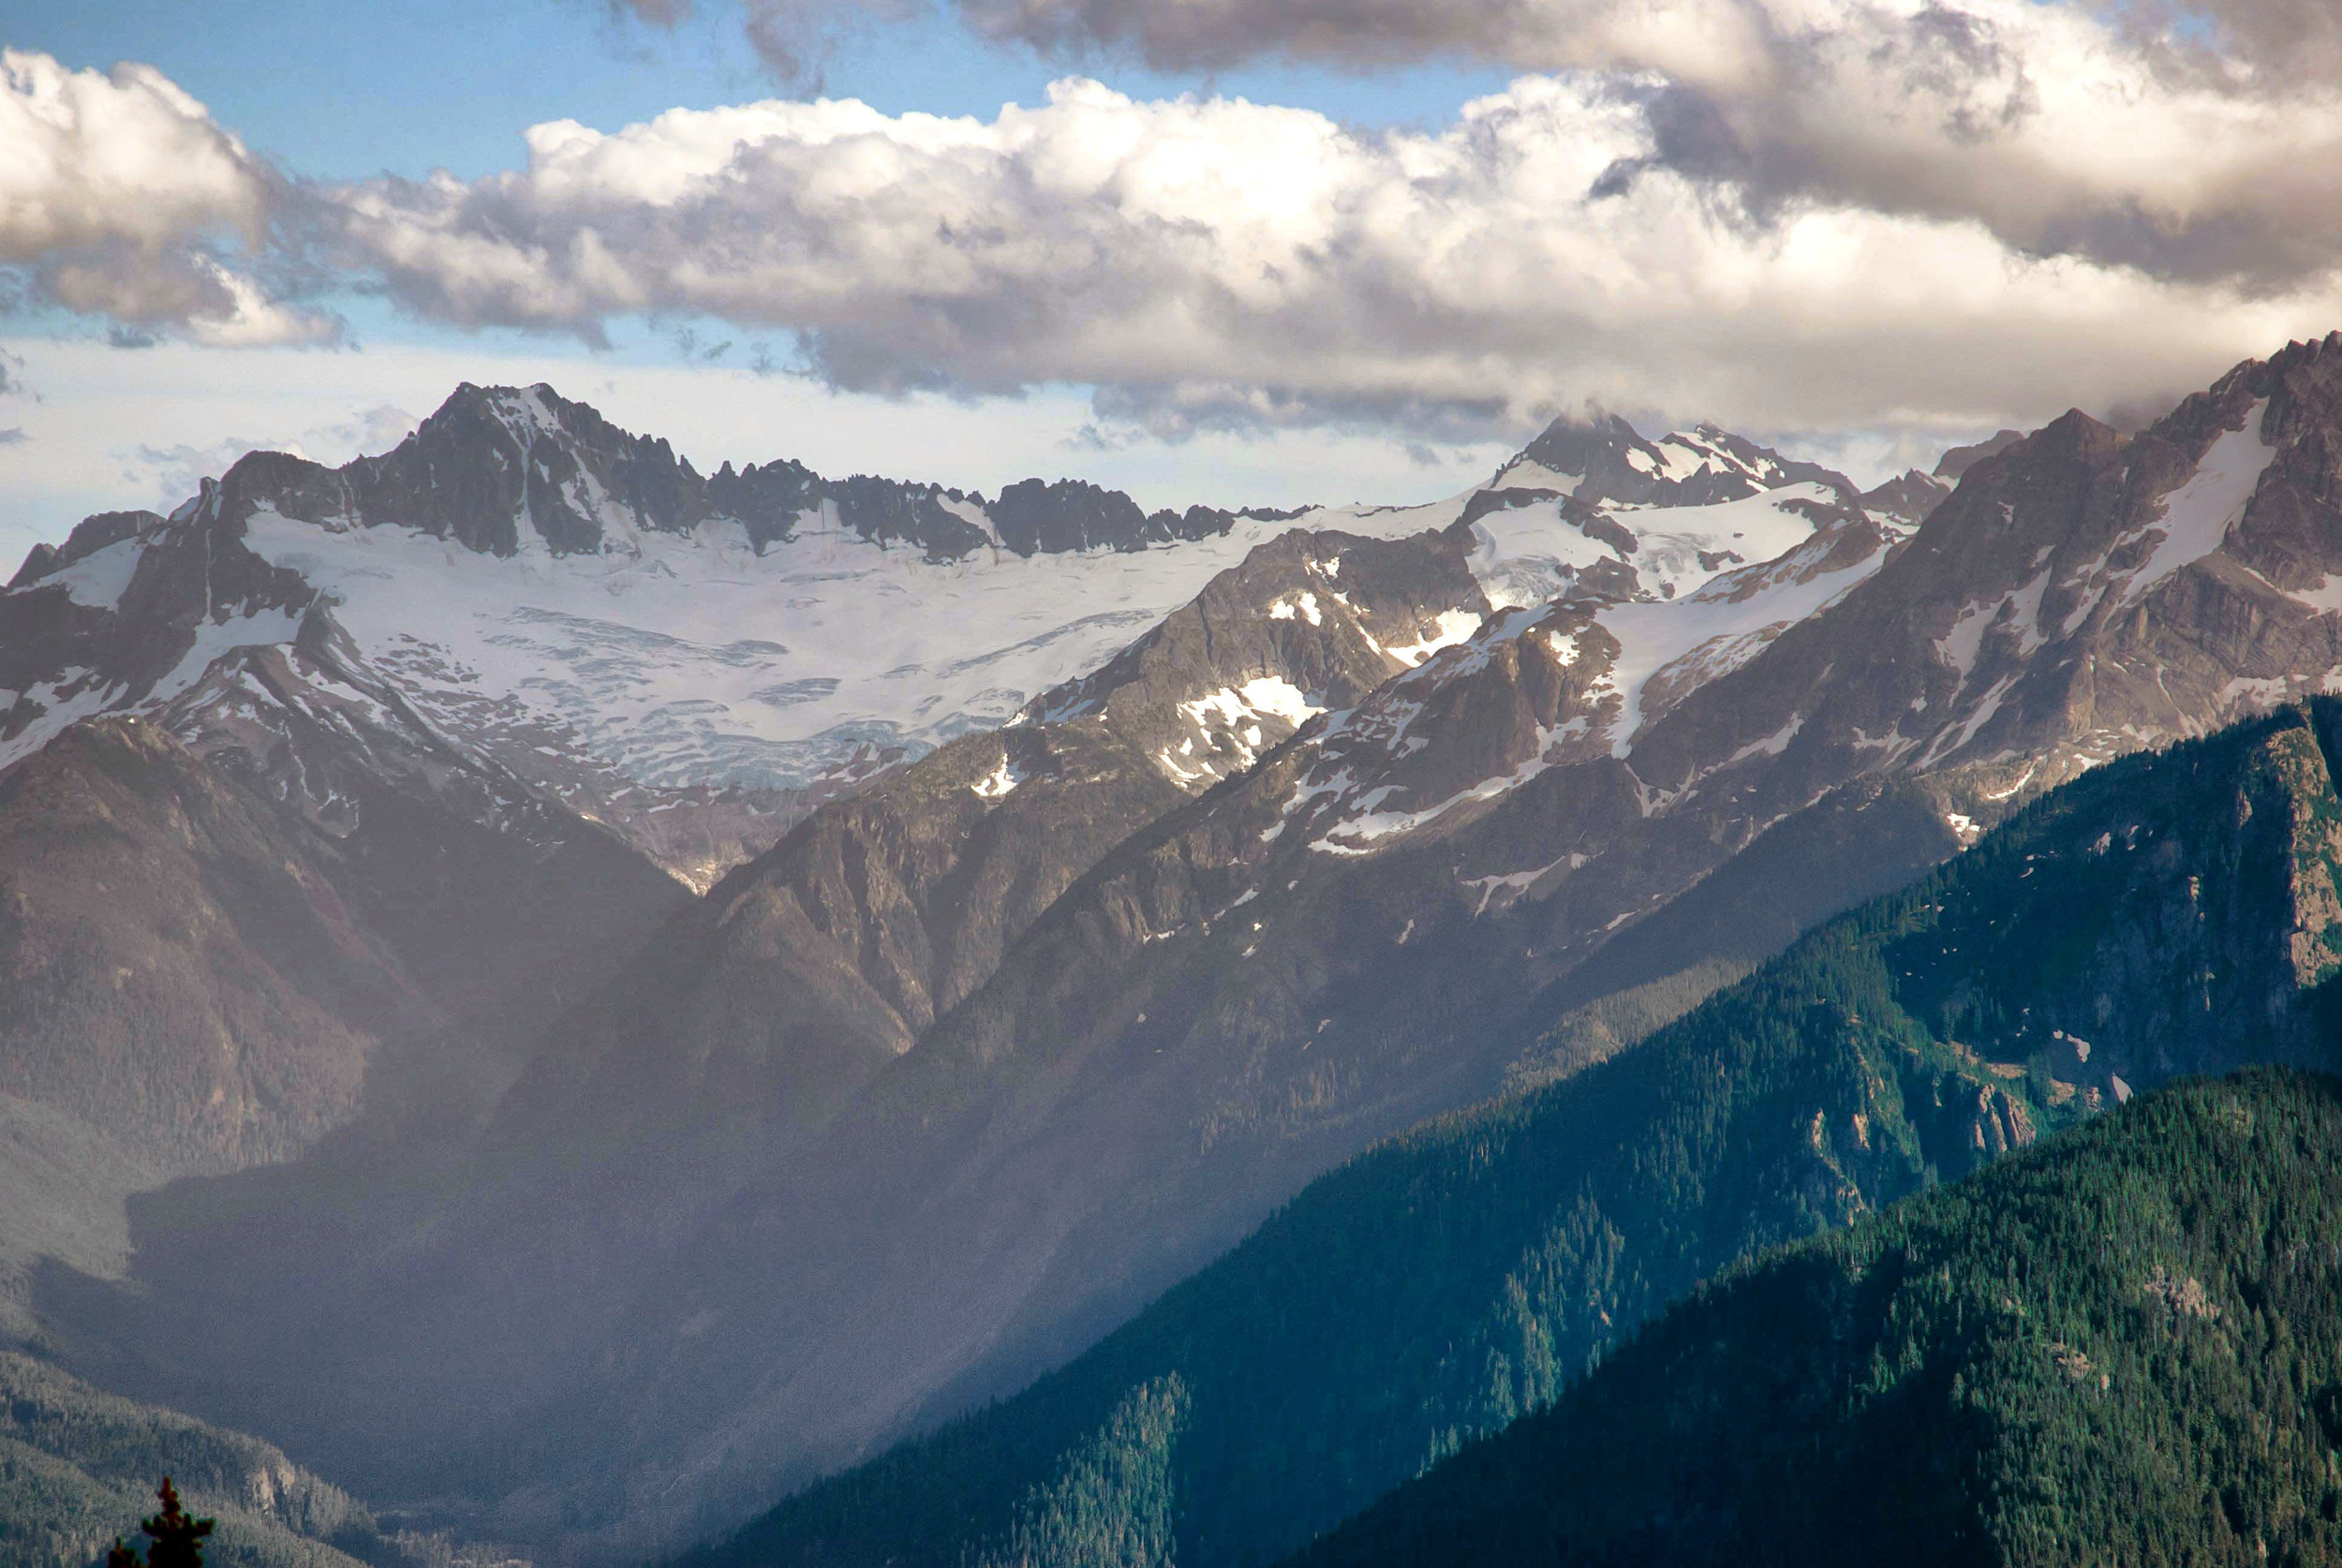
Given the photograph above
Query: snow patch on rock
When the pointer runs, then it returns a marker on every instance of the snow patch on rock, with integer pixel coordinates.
(1453, 626)
(2197, 516)
(1001, 782)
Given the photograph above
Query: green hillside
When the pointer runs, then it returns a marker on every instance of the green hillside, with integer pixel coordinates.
(2169, 914)
(2125, 1347)
(79, 1467)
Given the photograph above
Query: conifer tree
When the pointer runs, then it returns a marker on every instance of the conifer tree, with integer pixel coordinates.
(178, 1540)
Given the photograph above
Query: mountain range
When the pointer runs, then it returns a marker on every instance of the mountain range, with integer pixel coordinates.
(645, 988)
(2179, 907)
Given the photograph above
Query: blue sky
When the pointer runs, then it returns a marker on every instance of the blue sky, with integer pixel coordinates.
(347, 90)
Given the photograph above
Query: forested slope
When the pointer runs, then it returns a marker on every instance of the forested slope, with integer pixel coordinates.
(2120, 1348)
(79, 1467)
(2169, 914)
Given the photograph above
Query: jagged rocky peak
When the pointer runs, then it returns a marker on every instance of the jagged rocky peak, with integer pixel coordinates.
(1959, 460)
(2243, 473)
(1309, 622)
(2082, 594)
(521, 470)
(1908, 498)
(703, 633)
(91, 535)
(506, 471)
(1602, 459)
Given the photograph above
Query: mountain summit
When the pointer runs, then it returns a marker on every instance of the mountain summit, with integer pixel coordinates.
(1033, 956)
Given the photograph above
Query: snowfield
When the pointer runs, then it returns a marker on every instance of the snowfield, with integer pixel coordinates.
(693, 659)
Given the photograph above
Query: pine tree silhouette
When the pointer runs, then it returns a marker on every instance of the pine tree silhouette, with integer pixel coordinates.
(178, 1540)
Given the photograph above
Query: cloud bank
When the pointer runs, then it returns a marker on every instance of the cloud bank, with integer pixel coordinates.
(2192, 140)
(1785, 215)
(1214, 262)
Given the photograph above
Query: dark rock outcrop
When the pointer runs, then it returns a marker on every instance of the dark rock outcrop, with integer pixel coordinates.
(970, 1066)
(1956, 462)
(501, 470)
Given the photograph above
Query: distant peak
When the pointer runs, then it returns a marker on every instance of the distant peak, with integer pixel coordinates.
(469, 395)
(1959, 460)
(1593, 425)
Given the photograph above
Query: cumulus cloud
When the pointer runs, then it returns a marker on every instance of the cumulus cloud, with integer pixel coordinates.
(1786, 215)
(120, 198)
(1211, 264)
(2198, 139)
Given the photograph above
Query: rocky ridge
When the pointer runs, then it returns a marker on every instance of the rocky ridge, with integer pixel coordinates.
(1334, 944)
(759, 1018)
(2144, 923)
(540, 587)
(1340, 844)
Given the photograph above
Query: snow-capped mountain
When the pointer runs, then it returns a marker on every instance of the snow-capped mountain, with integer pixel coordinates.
(1071, 982)
(580, 608)
(1604, 462)
(572, 605)
(526, 622)
(1343, 933)
(913, 892)
(796, 987)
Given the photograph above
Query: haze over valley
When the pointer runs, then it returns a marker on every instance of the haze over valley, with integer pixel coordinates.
(1235, 818)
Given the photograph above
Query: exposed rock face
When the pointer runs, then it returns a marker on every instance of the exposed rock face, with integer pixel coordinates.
(505, 906)
(577, 606)
(2165, 929)
(130, 612)
(1959, 460)
(502, 470)
(1312, 954)
(279, 897)
(211, 979)
(1826, 1086)
(1604, 459)
(91, 535)
(776, 1027)
(175, 962)
(757, 1015)
(972, 1064)
(2081, 595)
(1031, 516)
(806, 971)
(1907, 499)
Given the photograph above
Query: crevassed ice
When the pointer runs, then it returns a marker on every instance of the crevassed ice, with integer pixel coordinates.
(693, 659)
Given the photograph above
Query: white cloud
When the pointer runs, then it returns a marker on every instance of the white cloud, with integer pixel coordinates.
(1830, 217)
(117, 191)
(1214, 262)
(91, 158)
(2194, 137)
